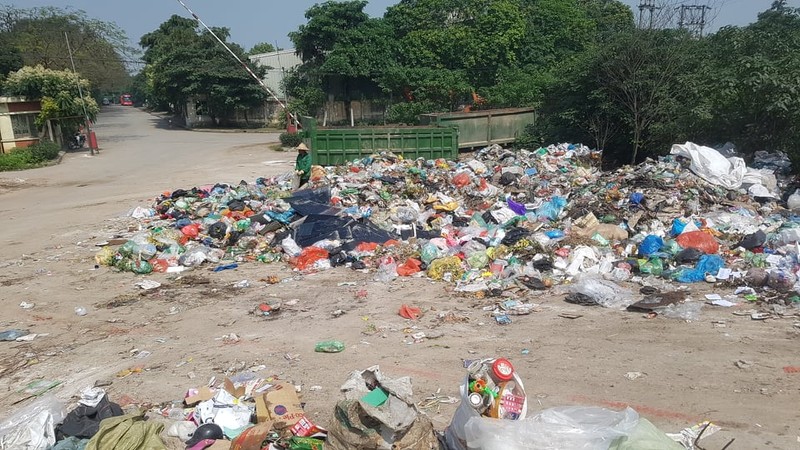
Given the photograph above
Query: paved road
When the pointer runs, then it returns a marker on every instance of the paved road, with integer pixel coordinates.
(140, 157)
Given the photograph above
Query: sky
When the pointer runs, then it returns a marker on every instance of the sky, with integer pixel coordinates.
(254, 21)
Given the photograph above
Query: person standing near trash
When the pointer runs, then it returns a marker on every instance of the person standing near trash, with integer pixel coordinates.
(302, 165)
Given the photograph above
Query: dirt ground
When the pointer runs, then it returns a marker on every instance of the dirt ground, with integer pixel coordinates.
(52, 218)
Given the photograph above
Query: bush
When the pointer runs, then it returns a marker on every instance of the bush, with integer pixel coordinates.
(28, 157)
(291, 139)
(43, 151)
(16, 160)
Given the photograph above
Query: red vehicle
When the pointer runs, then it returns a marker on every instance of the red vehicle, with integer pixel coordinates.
(126, 100)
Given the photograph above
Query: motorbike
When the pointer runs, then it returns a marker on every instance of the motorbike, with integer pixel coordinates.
(77, 141)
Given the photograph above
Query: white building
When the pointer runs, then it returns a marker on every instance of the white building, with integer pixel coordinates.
(278, 64)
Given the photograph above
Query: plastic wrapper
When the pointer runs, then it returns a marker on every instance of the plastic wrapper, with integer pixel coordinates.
(33, 427)
(605, 293)
(569, 427)
(684, 311)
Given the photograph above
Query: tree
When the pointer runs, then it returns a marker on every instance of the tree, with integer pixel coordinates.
(344, 52)
(99, 48)
(262, 47)
(752, 82)
(184, 63)
(59, 94)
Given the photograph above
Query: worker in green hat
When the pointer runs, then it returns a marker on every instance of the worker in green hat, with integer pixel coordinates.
(302, 165)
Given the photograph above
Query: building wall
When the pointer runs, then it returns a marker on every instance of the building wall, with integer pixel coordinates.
(278, 63)
(17, 128)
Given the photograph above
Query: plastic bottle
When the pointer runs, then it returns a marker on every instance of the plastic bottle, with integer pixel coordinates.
(329, 347)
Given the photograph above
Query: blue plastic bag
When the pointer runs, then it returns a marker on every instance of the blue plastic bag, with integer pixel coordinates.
(637, 198)
(552, 209)
(680, 223)
(707, 264)
(651, 244)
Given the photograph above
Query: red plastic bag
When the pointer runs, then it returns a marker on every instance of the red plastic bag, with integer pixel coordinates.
(410, 312)
(699, 240)
(309, 256)
(159, 265)
(461, 180)
(191, 231)
(410, 267)
(367, 247)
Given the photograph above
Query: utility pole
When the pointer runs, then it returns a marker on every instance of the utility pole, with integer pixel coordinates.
(650, 7)
(693, 19)
(83, 103)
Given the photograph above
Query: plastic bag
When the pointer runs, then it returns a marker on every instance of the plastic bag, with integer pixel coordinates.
(429, 252)
(652, 266)
(290, 247)
(651, 244)
(711, 166)
(410, 267)
(793, 202)
(33, 427)
(684, 311)
(387, 271)
(191, 231)
(699, 240)
(603, 292)
(552, 209)
(461, 180)
(568, 427)
(646, 437)
(706, 264)
(309, 256)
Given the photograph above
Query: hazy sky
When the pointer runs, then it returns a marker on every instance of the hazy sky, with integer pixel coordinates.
(253, 21)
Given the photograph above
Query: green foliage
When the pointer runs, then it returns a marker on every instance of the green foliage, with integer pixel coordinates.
(58, 92)
(408, 113)
(43, 151)
(99, 48)
(291, 139)
(28, 157)
(184, 63)
(262, 47)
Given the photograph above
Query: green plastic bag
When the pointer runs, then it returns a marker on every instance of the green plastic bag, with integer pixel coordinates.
(652, 266)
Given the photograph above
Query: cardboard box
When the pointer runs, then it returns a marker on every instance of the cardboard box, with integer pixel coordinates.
(234, 391)
(204, 393)
(252, 438)
(281, 405)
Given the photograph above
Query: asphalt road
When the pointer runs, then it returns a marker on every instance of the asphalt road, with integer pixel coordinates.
(140, 157)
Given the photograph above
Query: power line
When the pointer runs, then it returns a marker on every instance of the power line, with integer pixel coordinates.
(693, 18)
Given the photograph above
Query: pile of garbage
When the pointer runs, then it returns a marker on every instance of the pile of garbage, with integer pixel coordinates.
(249, 412)
(95, 423)
(503, 220)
